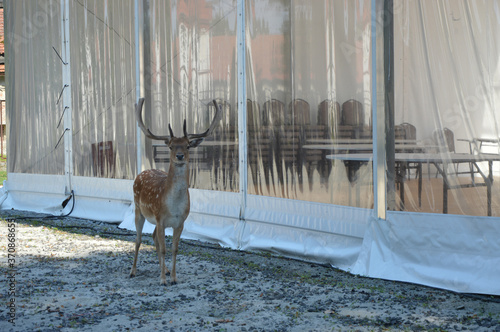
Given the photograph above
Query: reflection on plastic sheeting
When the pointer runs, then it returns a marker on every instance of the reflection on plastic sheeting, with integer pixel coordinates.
(103, 89)
(307, 84)
(190, 59)
(35, 83)
(446, 68)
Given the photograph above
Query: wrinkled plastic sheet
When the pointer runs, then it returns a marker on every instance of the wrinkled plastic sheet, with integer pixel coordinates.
(459, 253)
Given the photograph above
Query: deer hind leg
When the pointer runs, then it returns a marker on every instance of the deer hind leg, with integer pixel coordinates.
(175, 249)
(155, 239)
(139, 224)
(161, 251)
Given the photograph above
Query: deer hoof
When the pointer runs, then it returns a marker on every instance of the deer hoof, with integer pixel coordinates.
(173, 282)
(163, 282)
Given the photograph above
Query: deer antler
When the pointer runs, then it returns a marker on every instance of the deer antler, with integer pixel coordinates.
(149, 134)
(208, 132)
(146, 131)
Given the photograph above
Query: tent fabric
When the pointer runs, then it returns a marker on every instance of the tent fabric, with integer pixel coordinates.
(458, 253)
(447, 72)
(35, 151)
(96, 198)
(310, 80)
(103, 89)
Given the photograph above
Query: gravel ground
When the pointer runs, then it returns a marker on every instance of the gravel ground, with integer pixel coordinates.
(76, 277)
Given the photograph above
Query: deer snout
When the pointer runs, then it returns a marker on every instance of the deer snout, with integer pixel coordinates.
(180, 156)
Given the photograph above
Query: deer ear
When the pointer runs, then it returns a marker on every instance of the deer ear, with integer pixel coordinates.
(195, 142)
(171, 132)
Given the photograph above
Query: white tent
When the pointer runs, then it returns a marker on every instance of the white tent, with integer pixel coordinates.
(288, 73)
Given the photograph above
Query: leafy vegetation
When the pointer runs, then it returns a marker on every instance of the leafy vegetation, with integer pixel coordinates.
(3, 168)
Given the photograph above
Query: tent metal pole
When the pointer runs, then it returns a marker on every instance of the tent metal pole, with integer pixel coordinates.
(66, 95)
(242, 105)
(139, 87)
(388, 27)
(378, 112)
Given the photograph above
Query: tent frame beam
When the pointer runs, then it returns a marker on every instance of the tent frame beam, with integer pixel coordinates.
(66, 95)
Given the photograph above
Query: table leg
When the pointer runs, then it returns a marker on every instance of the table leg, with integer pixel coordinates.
(445, 185)
(445, 197)
(401, 179)
(352, 168)
(402, 196)
(488, 181)
(419, 170)
(488, 186)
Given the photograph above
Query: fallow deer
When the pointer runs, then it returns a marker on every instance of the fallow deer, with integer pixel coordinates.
(163, 197)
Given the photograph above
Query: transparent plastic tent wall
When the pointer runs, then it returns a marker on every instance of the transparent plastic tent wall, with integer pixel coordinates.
(287, 73)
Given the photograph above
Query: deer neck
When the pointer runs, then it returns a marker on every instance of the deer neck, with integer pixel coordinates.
(178, 176)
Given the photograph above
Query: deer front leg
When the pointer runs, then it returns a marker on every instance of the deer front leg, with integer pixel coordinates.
(161, 251)
(175, 249)
(155, 239)
(139, 224)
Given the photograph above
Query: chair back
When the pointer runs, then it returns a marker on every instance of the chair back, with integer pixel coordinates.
(445, 138)
(410, 131)
(103, 159)
(329, 113)
(399, 132)
(274, 113)
(253, 112)
(352, 113)
(300, 112)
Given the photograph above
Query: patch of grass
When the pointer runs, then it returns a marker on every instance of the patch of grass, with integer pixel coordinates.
(3, 168)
